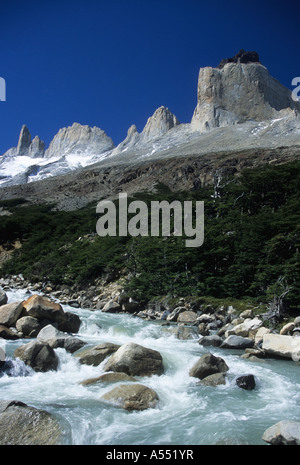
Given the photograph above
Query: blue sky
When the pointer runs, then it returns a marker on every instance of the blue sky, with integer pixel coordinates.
(111, 63)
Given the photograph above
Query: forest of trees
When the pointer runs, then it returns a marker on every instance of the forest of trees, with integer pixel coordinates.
(250, 250)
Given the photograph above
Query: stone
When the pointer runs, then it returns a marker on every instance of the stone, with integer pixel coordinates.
(43, 308)
(187, 317)
(28, 326)
(213, 380)
(285, 432)
(3, 297)
(112, 307)
(237, 342)
(283, 346)
(55, 338)
(287, 329)
(22, 425)
(205, 318)
(70, 324)
(246, 382)
(95, 355)
(108, 378)
(260, 334)
(175, 313)
(211, 340)
(132, 397)
(38, 355)
(7, 333)
(243, 329)
(247, 314)
(135, 360)
(9, 313)
(186, 332)
(208, 365)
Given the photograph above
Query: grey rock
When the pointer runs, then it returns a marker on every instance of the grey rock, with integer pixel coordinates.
(95, 355)
(208, 365)
(246, 382)
(29, 326)
(38, 355)
(55, 338)
(211, 340)
(112, 307)
(108, 378)
(175, 313)
(132, 397)
(9, 313)
(283, 346)
(237, 342)
(3, 297)
(135, 360)
(187, 317)
(186, 332)
(285, 432)
(23, 425)
(213, 380)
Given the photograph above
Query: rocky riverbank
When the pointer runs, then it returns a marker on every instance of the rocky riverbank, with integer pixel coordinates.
(41, 319)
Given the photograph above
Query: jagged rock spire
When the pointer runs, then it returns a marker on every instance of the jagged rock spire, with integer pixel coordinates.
(24, 141)
(240, 89)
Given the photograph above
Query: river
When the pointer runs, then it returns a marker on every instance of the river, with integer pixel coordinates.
(188, 414)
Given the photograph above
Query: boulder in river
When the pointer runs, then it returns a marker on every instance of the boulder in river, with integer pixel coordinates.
(108, 378)
(237, 342)
(96, 354)
(132, 397)
(285, 432)
(23, 425)
(211, 340)
(213, 380)
(28, 326)
(56, 338)
(246, 382)
(43, 308)
(208, 365)
(187, 317)
(135, 360)
(38, 355)
(9, 313)
(3, 297)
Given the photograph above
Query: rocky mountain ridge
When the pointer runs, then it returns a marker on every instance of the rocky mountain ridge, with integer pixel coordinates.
(240, 107)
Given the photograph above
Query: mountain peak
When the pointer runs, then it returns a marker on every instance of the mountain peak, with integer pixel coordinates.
(159, 123)
(24, 141)
(240, 89)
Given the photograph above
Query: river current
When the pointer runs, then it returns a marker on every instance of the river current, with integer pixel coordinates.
(187, 414)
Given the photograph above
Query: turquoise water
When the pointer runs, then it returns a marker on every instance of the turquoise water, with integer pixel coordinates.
(187, 414)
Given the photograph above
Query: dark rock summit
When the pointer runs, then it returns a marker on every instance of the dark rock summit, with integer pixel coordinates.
(241, 57)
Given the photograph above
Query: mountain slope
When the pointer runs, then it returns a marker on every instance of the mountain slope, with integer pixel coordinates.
(240, 107)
